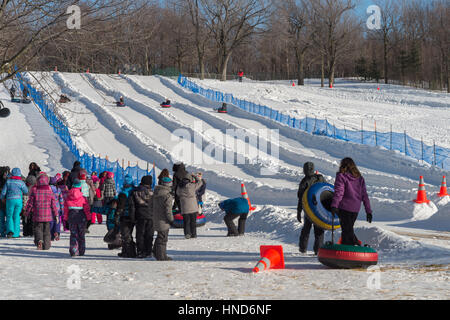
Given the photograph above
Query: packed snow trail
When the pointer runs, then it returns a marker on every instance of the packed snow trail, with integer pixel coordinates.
(26, 137)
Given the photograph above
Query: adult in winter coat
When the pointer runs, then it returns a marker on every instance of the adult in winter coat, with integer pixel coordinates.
(77, 212)
(55, 227)
(186, 191)
(127, 219)
(13, 192)
(349, 192)
(235, 208)
(179, 172)
(42, 204)
(141, 208)
(310, 178)
(74, 174)
(162, 217)
(27, 222)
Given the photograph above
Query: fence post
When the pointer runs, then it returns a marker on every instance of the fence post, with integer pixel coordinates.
(390, 142)
(434, 153)
(421, 141)
(405, 142)
(376, 137)
(362, 131)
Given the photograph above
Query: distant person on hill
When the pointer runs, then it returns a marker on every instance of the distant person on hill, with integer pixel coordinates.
(240, 75)
(309, 179)
(349, 192)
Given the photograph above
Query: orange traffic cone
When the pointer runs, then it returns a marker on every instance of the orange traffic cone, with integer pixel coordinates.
(245, 196)
(443, 191)
(271, 258)
(421, 193)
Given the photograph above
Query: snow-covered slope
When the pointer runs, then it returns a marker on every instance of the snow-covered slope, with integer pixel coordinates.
(408, 237)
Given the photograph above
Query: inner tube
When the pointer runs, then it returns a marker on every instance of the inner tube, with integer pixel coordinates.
(165, 105)
(341, 256)
(178, 220)
(4, 112)
(317, 205)
(220, 111)
(18, 100)
(26, 101)
(120, 104)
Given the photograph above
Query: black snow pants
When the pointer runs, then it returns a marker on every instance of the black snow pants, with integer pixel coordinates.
(144, 236)
(347, 220)
(304, 236)
(42, 233)
(232, 231)
(128, 245)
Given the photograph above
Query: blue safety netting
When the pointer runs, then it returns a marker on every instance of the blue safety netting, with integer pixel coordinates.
(402, 142)
(90, 162)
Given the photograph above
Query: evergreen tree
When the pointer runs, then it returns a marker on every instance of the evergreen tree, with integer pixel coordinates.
(374, 72)
(361, 68)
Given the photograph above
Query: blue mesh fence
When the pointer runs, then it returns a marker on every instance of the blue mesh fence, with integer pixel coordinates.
(89, 162)
(402, 142)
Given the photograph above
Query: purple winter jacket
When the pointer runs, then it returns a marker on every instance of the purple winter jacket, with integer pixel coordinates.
(349, 192)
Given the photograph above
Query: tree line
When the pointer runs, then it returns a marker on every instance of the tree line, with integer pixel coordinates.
(267, 39)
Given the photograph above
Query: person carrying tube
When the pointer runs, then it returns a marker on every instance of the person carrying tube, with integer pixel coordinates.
(349, 192)
(235, 208)
(310, 178)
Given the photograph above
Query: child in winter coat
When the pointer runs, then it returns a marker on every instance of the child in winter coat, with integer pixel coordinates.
(27, 223)
(349, 192)
(62, 186)
(310, 178)
(127, 219)
(235, 208)
(77, 212)
(13, 192)
(162, 217)
(55, 227)
(42, 204)
(108, 188)
(97, 199)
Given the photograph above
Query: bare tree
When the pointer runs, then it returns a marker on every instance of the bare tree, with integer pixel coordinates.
(232, 22)
(334, 29)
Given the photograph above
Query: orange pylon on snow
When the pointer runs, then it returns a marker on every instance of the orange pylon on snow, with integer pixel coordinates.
(271, 258)
(443, 192)
(421, 193)
(245, 196)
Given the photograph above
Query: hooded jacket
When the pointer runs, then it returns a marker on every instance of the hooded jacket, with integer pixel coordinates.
(162, 203)
(349, 192)
(14, 187)
(76, 201)
(187, 192)
(140, 202)
(310, 178)
(42, 202)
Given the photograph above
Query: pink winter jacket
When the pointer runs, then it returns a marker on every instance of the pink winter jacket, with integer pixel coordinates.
(75, 200)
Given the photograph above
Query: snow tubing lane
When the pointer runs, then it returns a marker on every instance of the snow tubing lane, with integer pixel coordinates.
(313, 204)
(4, 112)
(343, 256)
(178, 220)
